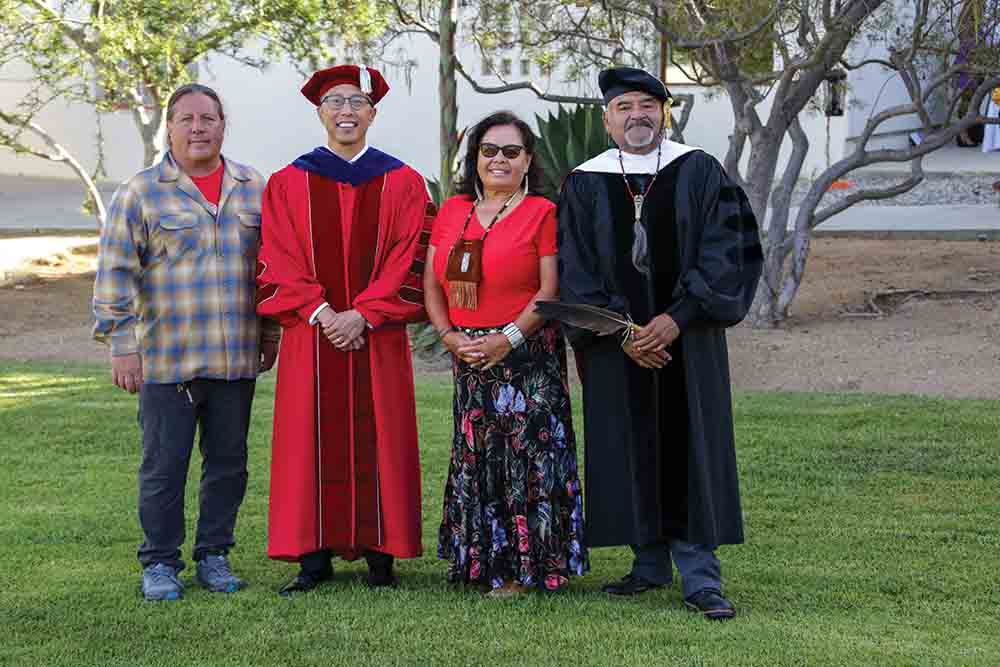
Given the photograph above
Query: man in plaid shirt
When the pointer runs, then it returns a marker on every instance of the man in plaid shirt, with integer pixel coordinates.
(174, 299)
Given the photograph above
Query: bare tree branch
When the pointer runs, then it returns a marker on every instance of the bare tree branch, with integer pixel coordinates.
(731, 163)
(861, 157)
(682, 43)
(75, 34)
(407, 19)
(523, 85)
(678, 126)
(777, 226)
(874, 193)
(865, 63)
(58, 153)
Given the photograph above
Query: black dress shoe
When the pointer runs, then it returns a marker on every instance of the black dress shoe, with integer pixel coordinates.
(305, 582)
(380, 573)
(381, 577)
(629, 586)
(711, 605)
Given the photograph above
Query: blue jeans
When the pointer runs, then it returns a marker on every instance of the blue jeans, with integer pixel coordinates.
(697, 565)
(169, 415)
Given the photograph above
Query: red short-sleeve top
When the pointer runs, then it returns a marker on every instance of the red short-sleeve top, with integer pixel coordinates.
(510, 257)
(211, 185)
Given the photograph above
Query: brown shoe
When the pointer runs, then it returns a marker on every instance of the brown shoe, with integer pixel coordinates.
(510, 589)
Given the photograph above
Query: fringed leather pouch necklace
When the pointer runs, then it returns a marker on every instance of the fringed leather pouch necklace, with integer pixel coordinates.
(464, 270)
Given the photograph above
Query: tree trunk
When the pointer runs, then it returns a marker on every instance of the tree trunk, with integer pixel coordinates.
(152, 125)
(447, 93)
(764, 148)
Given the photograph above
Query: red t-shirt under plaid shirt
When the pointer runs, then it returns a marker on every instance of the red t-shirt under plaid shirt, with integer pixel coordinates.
(211, 185)
(510, 257)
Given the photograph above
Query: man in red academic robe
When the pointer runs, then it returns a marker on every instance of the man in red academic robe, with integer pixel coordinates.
(344, 233)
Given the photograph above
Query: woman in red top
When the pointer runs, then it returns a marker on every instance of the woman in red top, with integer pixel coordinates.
(513, 515)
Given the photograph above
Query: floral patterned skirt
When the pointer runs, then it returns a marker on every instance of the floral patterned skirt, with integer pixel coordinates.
(513, 509)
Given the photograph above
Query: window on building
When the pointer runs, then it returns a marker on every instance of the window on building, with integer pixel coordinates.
(525, 68)
(487, 65)
(506, 66)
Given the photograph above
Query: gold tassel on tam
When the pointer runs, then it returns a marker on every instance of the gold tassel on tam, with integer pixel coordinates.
(667, 120)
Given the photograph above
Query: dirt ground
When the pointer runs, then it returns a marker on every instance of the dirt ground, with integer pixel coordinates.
(944, 341)
(943, 344)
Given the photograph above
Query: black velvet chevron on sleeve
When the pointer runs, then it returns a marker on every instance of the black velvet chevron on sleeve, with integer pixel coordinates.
(723, 247)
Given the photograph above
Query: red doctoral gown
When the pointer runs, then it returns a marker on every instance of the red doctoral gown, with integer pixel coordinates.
(345, 472)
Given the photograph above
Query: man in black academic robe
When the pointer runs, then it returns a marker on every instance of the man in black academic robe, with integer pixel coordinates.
(656, 230)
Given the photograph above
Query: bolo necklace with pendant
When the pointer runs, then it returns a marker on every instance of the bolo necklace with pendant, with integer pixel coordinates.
(639, 199)
(467, 256)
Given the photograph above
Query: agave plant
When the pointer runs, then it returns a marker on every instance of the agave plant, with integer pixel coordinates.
(566, 140)
(434, 189)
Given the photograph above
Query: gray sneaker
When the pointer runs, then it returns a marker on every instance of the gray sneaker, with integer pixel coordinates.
(160, 582)
(215, 575)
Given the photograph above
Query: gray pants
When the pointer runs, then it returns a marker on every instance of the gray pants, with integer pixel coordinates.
(697, 565)
(169, 415)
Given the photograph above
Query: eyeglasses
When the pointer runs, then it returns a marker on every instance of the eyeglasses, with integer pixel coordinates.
(510, 151)
(336, 102)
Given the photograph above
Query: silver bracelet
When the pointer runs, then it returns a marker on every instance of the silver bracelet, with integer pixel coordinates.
(514, 335)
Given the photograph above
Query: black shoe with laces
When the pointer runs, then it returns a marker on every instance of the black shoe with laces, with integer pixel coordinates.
(711, 605)
(306, 581)
(629, 586)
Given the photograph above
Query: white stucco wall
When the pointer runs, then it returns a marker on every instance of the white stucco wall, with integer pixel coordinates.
(74, 126)
(270, 123)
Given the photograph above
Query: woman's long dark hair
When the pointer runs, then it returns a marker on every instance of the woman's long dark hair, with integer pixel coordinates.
(470, 175)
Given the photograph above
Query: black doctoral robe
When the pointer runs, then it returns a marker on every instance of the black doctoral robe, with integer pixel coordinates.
(648, 481)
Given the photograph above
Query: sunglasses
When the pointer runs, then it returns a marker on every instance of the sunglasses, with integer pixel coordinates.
(510, 151)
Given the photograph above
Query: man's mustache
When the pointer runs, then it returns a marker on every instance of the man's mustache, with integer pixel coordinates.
(645, 122)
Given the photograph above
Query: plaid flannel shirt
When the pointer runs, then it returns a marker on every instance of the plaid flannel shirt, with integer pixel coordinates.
(175, 276)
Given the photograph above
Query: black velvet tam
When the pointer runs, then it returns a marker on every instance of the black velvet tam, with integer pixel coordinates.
(620, 80)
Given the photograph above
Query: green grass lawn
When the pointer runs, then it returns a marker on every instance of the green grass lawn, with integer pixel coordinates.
(872, 527)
